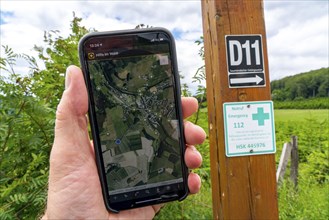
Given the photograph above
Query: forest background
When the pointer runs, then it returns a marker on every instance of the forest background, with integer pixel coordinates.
(28, 103)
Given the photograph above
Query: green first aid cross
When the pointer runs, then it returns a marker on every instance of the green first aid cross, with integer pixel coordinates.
(249, 128)
(260, 116)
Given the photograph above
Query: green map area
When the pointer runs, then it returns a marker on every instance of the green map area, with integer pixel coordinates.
(137, 121)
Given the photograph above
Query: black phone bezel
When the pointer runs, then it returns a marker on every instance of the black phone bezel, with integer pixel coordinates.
(155, 199)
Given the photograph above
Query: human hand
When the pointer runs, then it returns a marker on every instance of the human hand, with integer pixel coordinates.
(74, 187)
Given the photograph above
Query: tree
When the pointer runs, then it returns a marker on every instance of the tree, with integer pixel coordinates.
(324, 88)
(279, 95)
(185, 90)
(199, 76)
(201, 96)
(304, 85)
(28, 104)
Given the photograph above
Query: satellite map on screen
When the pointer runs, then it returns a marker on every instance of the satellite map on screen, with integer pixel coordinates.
(137, 121)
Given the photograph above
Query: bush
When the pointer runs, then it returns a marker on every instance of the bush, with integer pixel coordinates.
(27, 108)
(301, 103)
(308, 201)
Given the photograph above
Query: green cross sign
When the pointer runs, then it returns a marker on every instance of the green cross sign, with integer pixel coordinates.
(249, 128)
(260, 116)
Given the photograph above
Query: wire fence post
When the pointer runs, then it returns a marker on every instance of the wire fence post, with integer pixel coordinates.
(294, 160)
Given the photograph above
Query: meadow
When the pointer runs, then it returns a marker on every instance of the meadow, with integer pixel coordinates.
(309, 200)
(300, 115)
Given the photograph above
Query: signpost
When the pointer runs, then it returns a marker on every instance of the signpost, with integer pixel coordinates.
(249, 128)
(241, 124)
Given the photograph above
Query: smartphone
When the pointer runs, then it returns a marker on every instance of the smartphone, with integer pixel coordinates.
(135, 116)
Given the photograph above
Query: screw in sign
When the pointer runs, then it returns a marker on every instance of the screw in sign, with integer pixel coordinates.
(245, 64)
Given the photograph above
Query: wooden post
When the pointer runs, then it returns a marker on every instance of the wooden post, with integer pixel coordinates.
(294, 161)
(285, 156)
(243, 187)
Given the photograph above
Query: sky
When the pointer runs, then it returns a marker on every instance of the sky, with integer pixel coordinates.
(297, 31)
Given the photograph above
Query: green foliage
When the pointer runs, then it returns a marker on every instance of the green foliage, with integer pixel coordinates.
(197, 206)
(185, 90)
(308, 201)
(57, 54)
(301, 103)
(312, 134)
(304, 85)
(28, 103)
(26, 133)
(199, 76)
(317, 166)
(201, 97)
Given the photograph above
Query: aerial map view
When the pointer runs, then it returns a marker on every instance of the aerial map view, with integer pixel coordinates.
(137, 120)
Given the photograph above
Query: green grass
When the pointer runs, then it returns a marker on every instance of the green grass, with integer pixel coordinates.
(296, 115)
(281, 115)
(197, 206)
(307, 201)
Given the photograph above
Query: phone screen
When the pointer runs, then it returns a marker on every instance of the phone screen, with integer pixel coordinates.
(133, 93)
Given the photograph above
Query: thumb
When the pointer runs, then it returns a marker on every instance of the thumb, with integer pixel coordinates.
(74, 187)
(74, 103)
(71, 145)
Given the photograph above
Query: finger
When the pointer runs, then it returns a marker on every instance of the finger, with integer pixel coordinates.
(74, 102)
(194, 134)
(71, 143)
(194, 183)
(193, 158)
(71, 123)
(189, 106)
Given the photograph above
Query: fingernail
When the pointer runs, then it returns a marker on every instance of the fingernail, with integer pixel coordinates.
(67, 78)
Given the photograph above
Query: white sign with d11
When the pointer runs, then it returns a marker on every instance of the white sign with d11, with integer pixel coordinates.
(249, 128)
